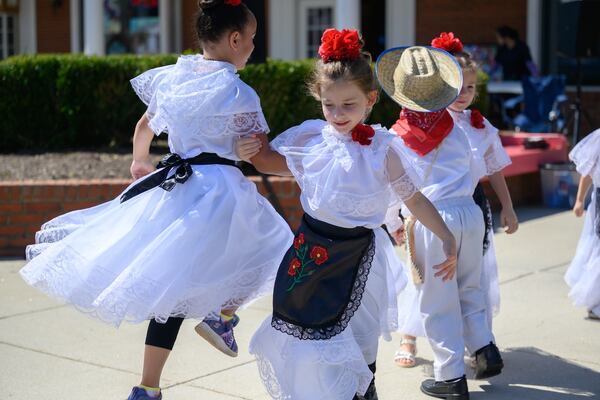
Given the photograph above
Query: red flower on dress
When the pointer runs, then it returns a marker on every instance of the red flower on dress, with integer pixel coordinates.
(294, 265)
(340, 45)
(477, 119)
(233, 2)
(299, 241)
(447, 41)
(362, 134)
(319, 255)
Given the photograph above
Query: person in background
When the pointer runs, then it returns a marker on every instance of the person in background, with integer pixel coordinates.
(513, 55)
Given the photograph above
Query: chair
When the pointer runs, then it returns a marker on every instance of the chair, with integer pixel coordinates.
(540, 105)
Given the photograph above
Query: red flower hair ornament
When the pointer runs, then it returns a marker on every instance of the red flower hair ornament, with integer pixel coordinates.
(344, 45)
(447, 41)
(232, 2)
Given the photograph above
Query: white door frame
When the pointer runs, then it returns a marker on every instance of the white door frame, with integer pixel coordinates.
(303, 6)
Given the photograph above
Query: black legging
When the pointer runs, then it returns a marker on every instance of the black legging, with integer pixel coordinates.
(163, 335)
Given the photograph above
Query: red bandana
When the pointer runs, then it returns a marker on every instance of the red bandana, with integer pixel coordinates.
(423, 131)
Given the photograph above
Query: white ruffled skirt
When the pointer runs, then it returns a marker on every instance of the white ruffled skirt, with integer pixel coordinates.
(583, 275)
(210, 243)
(336, 368)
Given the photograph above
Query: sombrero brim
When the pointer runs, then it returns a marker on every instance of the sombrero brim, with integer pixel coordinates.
(449, 70)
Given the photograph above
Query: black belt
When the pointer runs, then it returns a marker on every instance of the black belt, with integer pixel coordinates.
(181, 174)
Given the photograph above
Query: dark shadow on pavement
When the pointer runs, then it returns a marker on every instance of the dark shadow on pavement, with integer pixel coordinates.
(527, 214)
(532, 374)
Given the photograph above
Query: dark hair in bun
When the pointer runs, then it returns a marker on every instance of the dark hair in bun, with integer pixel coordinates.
(216, 17)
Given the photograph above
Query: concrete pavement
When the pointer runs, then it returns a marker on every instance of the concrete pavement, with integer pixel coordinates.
(50, 351)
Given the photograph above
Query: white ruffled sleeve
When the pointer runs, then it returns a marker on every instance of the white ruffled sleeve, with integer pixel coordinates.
(403, 179)
(145, 86)
(495, 157)
(586, 156)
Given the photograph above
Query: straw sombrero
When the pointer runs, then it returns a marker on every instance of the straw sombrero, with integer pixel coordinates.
(419, 78)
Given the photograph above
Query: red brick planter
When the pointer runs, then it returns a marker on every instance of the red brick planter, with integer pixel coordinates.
(25, 205)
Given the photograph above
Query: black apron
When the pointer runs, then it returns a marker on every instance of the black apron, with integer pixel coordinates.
(321, 280)
(483, 203)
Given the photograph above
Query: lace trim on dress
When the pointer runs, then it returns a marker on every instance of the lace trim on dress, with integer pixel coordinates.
(358, 290)
(96, 294)
(494, 164)
(404, 187)
(234, 125)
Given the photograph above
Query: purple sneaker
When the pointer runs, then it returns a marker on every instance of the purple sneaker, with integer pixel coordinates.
(138, 393)
(219, 333)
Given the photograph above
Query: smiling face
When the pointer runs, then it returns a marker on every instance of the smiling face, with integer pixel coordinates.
(345, 105)
(467, 93)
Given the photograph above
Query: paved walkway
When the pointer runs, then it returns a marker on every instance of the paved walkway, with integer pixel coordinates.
(50, 351)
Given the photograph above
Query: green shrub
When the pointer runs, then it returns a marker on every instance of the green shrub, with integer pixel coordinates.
(59, 102)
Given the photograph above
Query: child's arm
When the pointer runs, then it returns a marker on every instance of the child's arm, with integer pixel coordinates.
(428, 215)
(508, 217)
(584, 185)
(256, 149)
(142, 138)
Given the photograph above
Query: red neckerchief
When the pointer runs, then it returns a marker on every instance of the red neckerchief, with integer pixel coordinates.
(423, 131)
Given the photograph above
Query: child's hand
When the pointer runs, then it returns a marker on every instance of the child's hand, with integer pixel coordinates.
(509, 220)
(398, 236)
(578, 208)
(140, 168)
(247, 147)
(447, 269)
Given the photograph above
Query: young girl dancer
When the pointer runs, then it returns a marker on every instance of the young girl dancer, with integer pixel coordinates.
(482, 136)
(335, 291)
(453, 314)
(583, 276)
(192, 238)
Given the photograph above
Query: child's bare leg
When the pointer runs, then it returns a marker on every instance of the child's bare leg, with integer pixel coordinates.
(154, 361)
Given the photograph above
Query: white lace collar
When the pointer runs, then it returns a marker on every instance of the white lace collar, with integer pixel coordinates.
(197, 63)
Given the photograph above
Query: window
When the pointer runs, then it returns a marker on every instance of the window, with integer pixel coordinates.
(8, 35)
(131, 26)
(315, 17)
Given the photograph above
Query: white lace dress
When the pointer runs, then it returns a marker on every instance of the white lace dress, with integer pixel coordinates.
(210, 242)
(583, 275)
(348, 185)
(455, 172)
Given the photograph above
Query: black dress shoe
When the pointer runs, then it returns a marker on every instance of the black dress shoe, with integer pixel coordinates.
(488, 362)
(455, 389)
(371, 393)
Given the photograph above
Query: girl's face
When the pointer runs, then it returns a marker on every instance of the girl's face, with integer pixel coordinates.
(467, 93)
(243, 43)
(345, 105)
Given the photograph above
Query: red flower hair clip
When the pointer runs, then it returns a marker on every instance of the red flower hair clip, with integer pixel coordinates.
(363, 134)
(340, 45)
(232, 2)
(447, 41)
(477, 119)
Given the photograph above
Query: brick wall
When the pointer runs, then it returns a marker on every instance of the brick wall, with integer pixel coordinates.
(24, 206)
(53, 27)
(435, 16)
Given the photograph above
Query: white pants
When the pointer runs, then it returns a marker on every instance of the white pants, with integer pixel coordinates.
(453, 312)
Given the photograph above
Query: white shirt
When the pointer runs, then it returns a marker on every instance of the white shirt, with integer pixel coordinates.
(586, 156)
(203, 105)
(453, 169)
(343, 182)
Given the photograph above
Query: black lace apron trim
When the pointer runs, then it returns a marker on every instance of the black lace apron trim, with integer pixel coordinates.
(183, 171)
(483, 203)
(321, 280)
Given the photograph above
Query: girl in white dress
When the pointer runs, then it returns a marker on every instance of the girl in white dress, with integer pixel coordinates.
(336, 289)
(191, 238)
(450, 163)
(583, 275)
(485, 143)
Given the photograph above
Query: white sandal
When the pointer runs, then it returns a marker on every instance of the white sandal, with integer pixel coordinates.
(406, 359)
